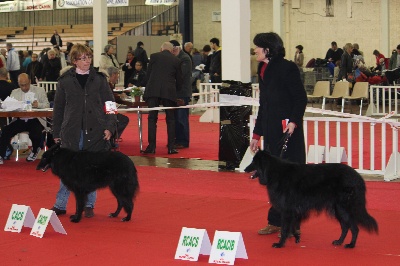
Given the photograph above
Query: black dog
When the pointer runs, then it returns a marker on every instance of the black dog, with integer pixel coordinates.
(297, 189)
(83, 172)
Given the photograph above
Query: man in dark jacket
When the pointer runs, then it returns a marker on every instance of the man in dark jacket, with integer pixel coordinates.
(283, 101)
(56, 39)
(141, 55)
(216, 61)
(182, 115)
(164, 79)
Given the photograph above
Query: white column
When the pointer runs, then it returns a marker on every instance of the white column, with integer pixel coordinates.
(100, 29)
(235, 23)
(277, 18)
(385, 24)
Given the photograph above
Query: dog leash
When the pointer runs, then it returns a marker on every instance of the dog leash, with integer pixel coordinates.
(285, 142)
(284, 148)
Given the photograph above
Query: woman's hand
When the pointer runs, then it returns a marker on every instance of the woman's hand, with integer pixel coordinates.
(107, 134)
(254, 145)
(290, 128)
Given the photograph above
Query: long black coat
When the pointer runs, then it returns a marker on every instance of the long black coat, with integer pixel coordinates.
(77, 109)
(282, 96)
(164, 76)
(128, 72)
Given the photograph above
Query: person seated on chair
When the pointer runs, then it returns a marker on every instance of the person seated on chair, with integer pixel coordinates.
(6, 87)
(122, 120)
(32, 125)
(138, 77)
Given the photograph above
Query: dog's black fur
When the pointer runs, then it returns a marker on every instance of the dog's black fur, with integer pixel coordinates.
(83, 172)
(297, 189)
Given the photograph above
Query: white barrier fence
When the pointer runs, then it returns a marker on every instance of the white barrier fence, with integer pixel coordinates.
(383, 100)
(370, 147)
(208, 93)
(367, 144)
(48, 85)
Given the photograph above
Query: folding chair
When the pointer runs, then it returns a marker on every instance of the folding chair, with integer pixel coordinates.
(321, 89)
(360, 92)
(340, 90)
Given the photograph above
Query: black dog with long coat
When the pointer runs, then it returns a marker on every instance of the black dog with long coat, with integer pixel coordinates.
(83, 172)
(297, 189)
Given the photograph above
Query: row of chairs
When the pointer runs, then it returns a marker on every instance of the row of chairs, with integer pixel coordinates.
(341, 91)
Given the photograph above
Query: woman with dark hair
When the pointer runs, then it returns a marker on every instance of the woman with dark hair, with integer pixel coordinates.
(282, 105)
(129, 67)
(299, 56)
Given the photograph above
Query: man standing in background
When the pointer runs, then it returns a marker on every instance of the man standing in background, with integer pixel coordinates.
(13, 65)
(164, 79)
(141, 55)
(56, 39)
(216, 61)
(182, 114)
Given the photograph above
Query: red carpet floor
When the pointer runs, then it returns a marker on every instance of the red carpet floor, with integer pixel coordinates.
(173, 198)
(203, 139)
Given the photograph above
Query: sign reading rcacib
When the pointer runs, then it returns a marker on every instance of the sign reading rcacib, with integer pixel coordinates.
(226, 247)
(192, 242)
(45, 217)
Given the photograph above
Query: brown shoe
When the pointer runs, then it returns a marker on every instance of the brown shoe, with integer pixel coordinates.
(290, 235)
(89, 212)
(269, 229)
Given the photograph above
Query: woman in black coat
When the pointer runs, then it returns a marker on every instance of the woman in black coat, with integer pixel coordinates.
(346, 66)
(34, 69)
(282, 98)
(51, 67)
(128, 68)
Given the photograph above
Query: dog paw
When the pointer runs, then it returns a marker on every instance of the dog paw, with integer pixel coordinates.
(337, 242)
(297, 238)
(277, 245)
(112, 215)
(125, 219)
(351, 245)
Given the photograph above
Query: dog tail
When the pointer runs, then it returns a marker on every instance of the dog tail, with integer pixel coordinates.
(368, 222)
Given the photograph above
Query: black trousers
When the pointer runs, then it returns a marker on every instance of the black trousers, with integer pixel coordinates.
(153, 117)
(33, 126)
(123, 121)
(14, 77)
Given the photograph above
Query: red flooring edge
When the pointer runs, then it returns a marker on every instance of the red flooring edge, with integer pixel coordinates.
(170, 199)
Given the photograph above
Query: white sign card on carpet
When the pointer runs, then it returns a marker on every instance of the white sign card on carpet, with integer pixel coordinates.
(42, 220)
(20, 215)
(226, 247)
(192, 242)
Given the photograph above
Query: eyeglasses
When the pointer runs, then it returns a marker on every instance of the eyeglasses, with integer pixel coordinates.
(85, 58)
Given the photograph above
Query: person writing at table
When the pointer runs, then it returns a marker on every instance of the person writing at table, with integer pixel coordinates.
(31, 124)
(79, 119)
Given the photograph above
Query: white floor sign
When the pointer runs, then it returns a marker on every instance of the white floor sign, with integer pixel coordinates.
(44, 217)
(192, 242)
(20, 215)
